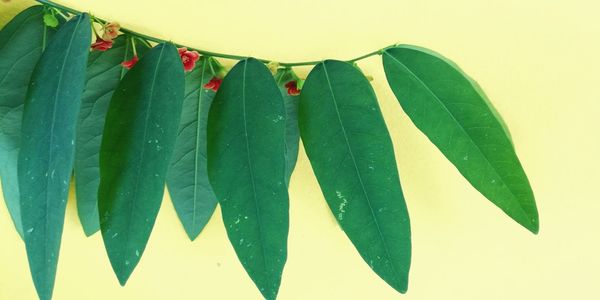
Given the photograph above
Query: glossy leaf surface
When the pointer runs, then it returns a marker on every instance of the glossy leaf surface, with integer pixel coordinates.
(187, 178)
(21, 45)
(351, 153)
(454, 113)
(45, 160)
(246, 166)
(104, 72)
(137, 144)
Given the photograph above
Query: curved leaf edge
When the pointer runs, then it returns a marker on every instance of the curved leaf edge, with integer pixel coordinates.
(533, 224)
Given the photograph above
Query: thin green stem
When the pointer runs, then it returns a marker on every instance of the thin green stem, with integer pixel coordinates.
(60, 13)
(205, 52)
(94, 29)
(132, 39)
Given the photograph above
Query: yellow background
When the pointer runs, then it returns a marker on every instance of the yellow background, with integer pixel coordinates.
(538, 62)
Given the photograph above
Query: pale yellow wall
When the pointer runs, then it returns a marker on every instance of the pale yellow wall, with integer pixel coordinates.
(539, 62)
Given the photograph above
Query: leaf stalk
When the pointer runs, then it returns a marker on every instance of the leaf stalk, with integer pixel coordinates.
(206, 52)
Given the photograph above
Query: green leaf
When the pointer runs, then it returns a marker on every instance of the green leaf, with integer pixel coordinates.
(246, 167)
(50, 20)
(45, 161)
(137, 144)
(104, 72)
(351, 153)
(21, 45)
(187, 178)
(456, 116)
(292, 133)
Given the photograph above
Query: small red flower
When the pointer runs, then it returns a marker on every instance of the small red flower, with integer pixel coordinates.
(102, 45)
(213, 84)
(130, 63)
(292, 88)
(188, 58)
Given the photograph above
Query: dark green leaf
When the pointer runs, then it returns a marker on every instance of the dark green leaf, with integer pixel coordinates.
(187, 178)
(246, 167)
(137, 144)
(21, 45)
(292, 134)
(47, 147)
(104, 73)
(351, 153)
(456, 116)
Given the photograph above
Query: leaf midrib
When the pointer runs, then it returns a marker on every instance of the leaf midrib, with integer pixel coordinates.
(51, 141)
(260, 233)
(196, 160)
(85, 118)
(411, 73)
(362, 185)
(142, 152)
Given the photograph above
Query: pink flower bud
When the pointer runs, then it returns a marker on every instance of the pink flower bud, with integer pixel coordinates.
(102, 45)
(130, 63)
(188, 58)
(213, 84)
(292, 88)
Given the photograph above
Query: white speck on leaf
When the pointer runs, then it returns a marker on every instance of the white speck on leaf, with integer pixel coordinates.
(343, 204)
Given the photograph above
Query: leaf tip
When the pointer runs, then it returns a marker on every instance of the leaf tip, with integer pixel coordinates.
(533, 226)
(192, 234)
(269, 294)
(530, 220)
(44, 289)
(403, 290)
(122, 269)
(123, 277)
(400, 285)
(89, 232)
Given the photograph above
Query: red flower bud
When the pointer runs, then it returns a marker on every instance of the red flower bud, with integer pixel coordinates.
(188, 58)
(213, 84)
(292, 88)
(101, 45)
(130, 63)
